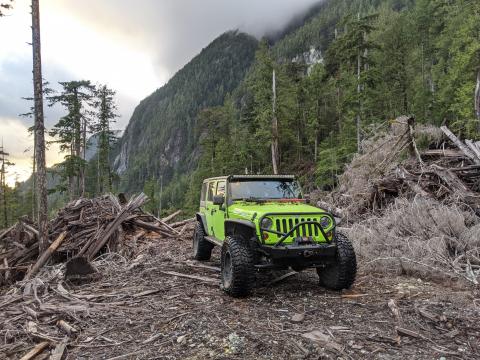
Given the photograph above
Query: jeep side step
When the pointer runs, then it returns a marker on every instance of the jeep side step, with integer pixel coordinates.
(214, 241)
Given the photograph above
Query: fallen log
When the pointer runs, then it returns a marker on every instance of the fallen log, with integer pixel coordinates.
(154, 228)
(474, 148)
(35, 351)
(181, 223)
(46, 255)
(443, 152)
(194, 277)
(460, 145)
(171, 216)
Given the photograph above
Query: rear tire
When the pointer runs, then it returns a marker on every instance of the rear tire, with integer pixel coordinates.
(341, 274)
(238, 271)
(202, 248)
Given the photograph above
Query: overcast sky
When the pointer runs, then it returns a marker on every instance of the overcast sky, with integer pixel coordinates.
(132, 46)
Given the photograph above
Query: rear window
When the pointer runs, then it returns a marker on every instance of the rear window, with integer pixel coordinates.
(211, 190)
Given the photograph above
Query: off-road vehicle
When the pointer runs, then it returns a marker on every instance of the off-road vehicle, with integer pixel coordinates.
(264, 222)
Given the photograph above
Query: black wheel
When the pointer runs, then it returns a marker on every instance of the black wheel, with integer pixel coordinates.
(238, 271)
(202, 249)
(341, 274)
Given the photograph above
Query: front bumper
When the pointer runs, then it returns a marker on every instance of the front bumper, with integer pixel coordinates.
(308, 255)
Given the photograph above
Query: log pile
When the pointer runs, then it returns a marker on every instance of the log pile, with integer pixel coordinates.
(411, 203)
(454, 180)
(447, 170)
(83, 228)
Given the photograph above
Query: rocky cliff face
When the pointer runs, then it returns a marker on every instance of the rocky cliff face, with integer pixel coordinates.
(162, 135)
(309, 58)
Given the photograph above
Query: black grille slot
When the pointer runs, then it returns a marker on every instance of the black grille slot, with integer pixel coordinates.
(277, 225)
(284, 226)
(297, 232)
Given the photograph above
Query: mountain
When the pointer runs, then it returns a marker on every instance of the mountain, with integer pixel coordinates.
(92, 144)
(214, 117)
(162, 137)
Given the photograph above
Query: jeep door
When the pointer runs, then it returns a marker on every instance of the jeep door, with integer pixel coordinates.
(219, 213)
(209, 207)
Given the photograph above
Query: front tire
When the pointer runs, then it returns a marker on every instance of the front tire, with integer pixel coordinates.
(202, 248)
(238, 271)
(341, 274)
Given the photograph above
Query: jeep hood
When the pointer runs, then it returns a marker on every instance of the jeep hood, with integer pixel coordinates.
(246, 210)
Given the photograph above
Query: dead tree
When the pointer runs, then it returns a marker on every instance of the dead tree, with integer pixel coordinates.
(477, 99)
(275, 156)
(41, 174)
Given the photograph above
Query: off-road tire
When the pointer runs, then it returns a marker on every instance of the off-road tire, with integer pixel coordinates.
(341, 274)
(202, 248)
(238, 271)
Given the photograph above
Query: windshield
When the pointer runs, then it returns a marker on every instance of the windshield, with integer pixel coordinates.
(265, 189)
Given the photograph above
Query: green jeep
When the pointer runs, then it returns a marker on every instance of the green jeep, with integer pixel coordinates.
(264, 222)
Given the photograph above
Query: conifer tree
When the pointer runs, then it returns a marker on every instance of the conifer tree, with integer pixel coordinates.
(71, 132)
(104, 112)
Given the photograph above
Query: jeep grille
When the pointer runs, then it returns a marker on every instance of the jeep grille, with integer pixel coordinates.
(284, 224)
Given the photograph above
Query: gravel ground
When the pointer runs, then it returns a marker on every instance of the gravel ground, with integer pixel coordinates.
(140, 309)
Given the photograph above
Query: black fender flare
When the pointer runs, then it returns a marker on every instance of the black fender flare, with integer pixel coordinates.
(245, 227)
(202, 219)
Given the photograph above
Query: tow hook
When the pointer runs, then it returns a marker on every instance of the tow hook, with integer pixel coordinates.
(308, 253)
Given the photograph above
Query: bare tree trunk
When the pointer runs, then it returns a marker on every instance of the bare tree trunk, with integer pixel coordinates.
(359, 89)
(39, 130)
(477, 99)
(34, 176)
(3, 184)
(275, 156)
(84, 149)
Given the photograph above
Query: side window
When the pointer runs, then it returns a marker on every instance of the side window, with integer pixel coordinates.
(221, 188)
(211, 190)
(203, 195)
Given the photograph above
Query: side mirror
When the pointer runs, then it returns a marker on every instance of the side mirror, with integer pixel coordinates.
(218, 200)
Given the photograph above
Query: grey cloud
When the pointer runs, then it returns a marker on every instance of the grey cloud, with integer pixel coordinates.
(173, 31)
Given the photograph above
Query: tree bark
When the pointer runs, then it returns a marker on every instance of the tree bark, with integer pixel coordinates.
(477, 99)
(275, 156)
(39, 130)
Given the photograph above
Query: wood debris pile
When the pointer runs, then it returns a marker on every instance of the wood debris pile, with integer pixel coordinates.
(394, 165)
(162, 305)
(412, 203)
(83, 228)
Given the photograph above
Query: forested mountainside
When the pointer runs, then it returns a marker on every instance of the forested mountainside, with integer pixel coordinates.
(374, 61)
(162, 136)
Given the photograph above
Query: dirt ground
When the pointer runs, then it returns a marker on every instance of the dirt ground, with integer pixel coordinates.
(140, 310)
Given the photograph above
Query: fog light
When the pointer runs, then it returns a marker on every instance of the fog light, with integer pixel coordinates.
(265, 236)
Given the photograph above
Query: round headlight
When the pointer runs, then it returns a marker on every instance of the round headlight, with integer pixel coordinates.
(266, 223)
(325, 222)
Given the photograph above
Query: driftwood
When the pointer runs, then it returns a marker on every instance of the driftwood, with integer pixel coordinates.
(35, 351)
(460, 145)
(181, 223)
(67, 328)
(46, 255)
(171, 216)
(83, 228)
